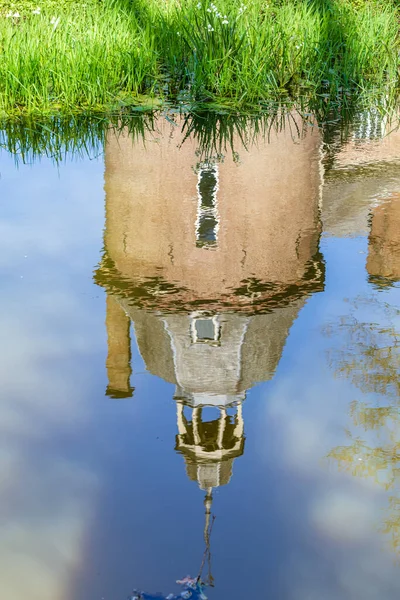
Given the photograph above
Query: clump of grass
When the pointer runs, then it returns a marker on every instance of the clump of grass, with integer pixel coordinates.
(83, 59)
(106, 55)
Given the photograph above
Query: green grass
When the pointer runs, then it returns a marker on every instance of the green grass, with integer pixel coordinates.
(109, 55)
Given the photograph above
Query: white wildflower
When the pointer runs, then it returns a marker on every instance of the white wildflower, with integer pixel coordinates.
(36, 11)
(225, 22)
(209, 10)
(199, 5)
(54, 21)
(210, 27)
(9, 15)
(16, 15)
(178, 33)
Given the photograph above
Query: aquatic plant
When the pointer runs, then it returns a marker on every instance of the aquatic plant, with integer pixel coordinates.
(61, 137)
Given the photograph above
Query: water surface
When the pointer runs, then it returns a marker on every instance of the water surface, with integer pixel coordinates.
(193, 332)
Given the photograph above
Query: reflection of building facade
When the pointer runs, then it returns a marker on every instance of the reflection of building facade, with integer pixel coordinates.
(384, 241)
(211, 261)
(362, 195)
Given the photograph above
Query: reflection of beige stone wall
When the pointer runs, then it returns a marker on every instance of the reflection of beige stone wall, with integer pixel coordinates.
(267, 204)
(384, 240)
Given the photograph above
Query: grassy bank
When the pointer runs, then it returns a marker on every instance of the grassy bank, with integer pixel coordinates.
(105, 55)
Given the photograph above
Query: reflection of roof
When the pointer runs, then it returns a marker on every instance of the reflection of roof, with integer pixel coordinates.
(209, 474)
(253, 296)
(249, 350)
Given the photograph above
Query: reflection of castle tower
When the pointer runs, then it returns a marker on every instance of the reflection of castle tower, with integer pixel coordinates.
(384, 241)
(211, 262)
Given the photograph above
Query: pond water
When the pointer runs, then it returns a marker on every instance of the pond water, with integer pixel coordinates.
(200, 364)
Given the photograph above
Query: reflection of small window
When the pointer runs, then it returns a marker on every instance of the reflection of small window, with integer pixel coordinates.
(205, 330)
(207, 215)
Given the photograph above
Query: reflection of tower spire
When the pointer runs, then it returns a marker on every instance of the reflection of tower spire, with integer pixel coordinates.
(207, 534)
(119, 351)
(208, 503)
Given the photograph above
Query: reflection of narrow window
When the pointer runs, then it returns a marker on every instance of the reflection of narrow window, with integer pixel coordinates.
(205, 330)
(207, 215)
(371, 125)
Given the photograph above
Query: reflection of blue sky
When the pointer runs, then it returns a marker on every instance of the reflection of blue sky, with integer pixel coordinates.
(307, 412)
(49, 229)
(94, 499)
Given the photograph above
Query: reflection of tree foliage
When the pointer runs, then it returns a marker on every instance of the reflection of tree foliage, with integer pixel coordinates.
(371, 358)
(371, 361)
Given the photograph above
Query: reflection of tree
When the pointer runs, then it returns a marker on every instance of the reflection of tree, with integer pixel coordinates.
(371, 360)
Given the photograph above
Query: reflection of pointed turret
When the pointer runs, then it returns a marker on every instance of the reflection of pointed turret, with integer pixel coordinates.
(384, 241)
(209, 449)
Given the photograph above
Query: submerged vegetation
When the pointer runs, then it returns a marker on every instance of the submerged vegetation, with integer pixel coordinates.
(64, 137)
(112, 55)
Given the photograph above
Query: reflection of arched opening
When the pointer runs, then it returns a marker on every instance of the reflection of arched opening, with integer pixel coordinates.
(207, 222)
(209, 447)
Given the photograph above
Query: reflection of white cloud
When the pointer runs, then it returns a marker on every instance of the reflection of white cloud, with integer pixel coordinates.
(40, 540)
(343, 515)
(49, 233)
